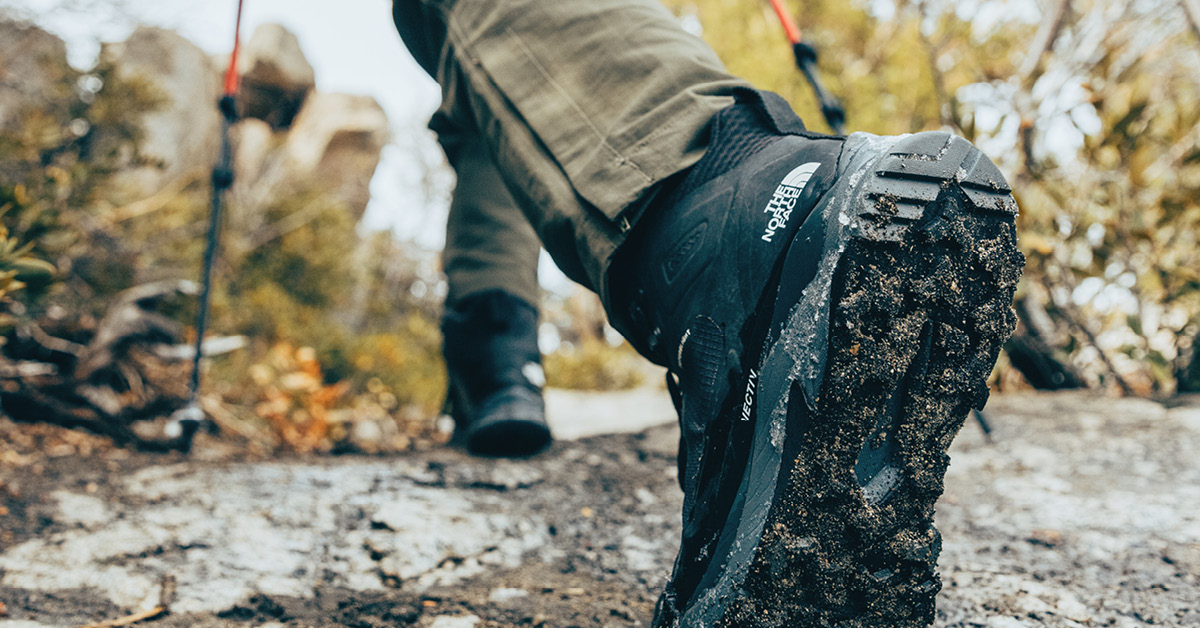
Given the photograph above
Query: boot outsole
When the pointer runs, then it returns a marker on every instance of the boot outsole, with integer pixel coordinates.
(871, 373)
(509, 438)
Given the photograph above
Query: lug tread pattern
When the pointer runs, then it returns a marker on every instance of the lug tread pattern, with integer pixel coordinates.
(918, 171)
(920, 308)
(701, 355)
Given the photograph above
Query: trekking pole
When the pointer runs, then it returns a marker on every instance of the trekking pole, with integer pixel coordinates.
(806, 60)
(186, 421)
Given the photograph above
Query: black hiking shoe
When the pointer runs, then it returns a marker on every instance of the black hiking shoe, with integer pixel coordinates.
(829, 310)
(495, 373)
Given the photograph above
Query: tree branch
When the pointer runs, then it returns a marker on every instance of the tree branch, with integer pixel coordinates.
(1043, 42)
(157, 201)
(1191, 10)
(286, 225)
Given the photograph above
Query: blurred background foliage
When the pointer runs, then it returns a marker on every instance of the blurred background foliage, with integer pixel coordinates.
(331, 315)
(55, 163)
(1091, 107)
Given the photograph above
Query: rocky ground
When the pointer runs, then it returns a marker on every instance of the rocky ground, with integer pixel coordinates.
(1081, 511)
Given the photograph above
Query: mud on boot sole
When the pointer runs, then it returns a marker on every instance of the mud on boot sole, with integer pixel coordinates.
(865, 383)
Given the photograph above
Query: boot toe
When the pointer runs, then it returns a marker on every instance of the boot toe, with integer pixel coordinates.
(511, 424)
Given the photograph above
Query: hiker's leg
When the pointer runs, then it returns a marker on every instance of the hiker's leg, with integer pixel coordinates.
(490, 245)
(489, 325)
(585, 106)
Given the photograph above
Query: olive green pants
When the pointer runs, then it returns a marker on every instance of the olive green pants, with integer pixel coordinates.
(582, 106)
(490, 245)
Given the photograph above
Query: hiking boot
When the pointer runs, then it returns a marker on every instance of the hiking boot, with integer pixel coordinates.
(495, 373)
(829, 310)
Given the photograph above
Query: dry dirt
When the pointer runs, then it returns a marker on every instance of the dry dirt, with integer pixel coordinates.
(1082, 511)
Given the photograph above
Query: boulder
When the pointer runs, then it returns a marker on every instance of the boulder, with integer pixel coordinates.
(276, 77)
(253, 140)
(28, 56)
(291, 140)
(332, 148)
(182, 136)
(335, 144)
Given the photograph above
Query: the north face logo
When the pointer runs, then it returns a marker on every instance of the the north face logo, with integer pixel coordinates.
(783, 201)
